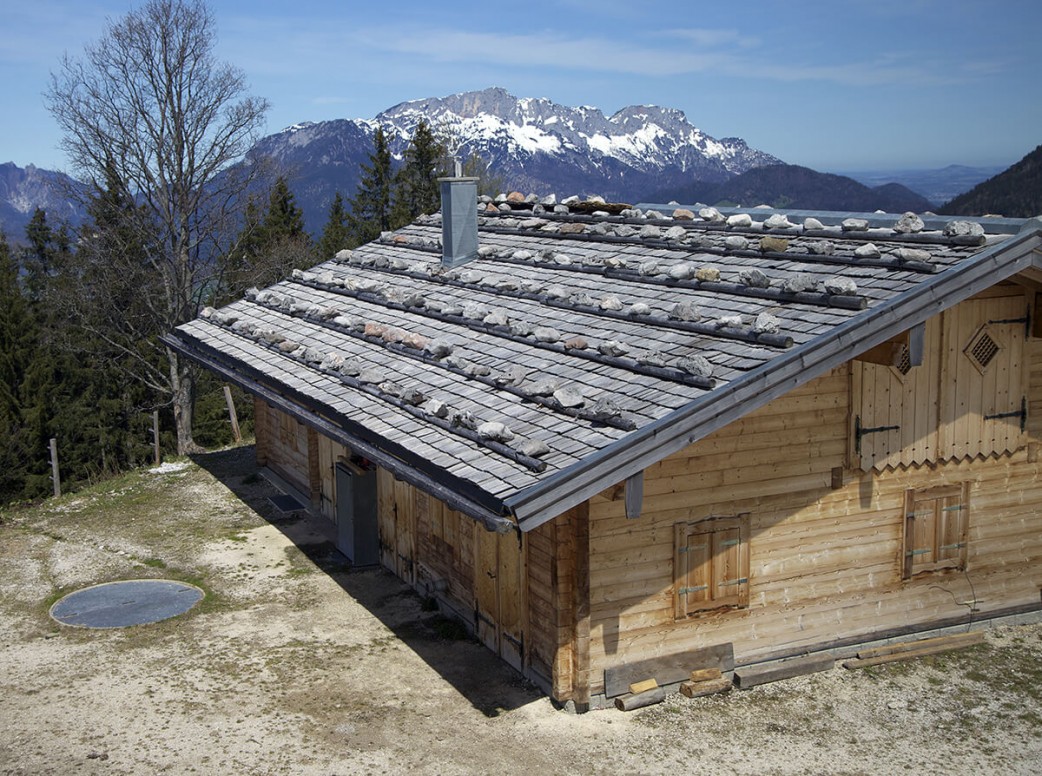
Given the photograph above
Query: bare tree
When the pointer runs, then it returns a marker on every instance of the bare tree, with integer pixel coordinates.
(150, 110)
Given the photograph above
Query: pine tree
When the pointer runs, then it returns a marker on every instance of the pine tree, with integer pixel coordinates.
(284, 220)
(371, 205)
(416, 185)
(270, 246)
(336, 236)
(17, 335)
(77, 386)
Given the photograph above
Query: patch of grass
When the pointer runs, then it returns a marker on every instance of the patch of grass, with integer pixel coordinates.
(155, 563)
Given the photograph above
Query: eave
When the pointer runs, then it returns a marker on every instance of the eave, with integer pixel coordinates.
(454, 492)
(571, 486)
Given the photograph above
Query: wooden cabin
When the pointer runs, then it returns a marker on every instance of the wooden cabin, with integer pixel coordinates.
(599, 438)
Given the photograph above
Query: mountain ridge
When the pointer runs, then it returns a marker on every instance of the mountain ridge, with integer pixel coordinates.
(638, 153)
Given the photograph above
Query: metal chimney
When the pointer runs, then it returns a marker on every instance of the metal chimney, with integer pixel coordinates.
(459, 220)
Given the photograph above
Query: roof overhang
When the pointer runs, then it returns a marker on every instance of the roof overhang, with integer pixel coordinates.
(571, 486)
(452, 491)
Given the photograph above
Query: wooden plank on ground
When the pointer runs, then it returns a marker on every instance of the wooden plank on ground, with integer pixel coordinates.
(750, 676)
(909, 654)
(950, 641)
(668, 669)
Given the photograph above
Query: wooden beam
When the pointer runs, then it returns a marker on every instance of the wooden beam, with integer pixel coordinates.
(634, 495)
(581, 583)
(750, 676)
(236, 433)
(55, 476)
(888, 653)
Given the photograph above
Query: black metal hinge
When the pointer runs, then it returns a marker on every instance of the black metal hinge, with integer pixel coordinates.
(860, 431)
(1026, 320)
(1022, 414)
(519, 643)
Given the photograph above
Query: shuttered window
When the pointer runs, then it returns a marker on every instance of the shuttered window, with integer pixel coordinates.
(711, 565)
(936, 524)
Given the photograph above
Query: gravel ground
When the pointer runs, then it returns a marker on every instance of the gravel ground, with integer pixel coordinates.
(296, 664)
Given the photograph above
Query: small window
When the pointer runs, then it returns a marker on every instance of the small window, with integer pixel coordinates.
(982, 349)
(711, 565)
(936, 522)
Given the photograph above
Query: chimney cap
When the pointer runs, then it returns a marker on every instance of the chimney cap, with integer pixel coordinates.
(453, 179)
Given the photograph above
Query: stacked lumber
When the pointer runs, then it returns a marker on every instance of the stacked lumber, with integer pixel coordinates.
(907, 650)
(638, 684)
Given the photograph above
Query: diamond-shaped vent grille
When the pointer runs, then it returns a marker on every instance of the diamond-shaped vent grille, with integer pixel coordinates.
(904, 361)
(982, 349)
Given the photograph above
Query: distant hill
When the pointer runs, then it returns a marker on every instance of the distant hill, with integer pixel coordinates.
(1015, 193)
(800, 188)
(938, 184)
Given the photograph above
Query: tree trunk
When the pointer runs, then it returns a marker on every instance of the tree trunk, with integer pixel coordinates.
(182, 382)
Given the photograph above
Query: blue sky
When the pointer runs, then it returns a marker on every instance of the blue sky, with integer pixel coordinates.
(832, 85)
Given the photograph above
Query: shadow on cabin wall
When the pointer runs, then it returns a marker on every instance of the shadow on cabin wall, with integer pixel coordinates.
(477, 674)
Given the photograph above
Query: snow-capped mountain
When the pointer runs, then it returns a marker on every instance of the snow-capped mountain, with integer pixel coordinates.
(644, 137)
(22, 190)
(532, 145)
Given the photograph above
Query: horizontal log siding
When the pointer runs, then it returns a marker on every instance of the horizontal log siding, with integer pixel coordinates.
(824, 563)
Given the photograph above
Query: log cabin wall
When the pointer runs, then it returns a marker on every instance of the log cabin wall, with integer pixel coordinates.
(824, 540)
(282, 446)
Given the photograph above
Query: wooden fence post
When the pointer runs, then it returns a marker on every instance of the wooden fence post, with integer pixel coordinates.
(236, 434)
(54, 468)
(155, 437)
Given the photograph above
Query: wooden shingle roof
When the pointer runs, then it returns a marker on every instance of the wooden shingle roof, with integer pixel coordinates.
(577, 349)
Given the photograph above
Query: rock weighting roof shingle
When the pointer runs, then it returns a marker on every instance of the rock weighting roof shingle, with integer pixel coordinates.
(585, 344)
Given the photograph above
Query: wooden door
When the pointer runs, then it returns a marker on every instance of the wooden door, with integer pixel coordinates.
(497, 588)
(396, 526)
(405, 525)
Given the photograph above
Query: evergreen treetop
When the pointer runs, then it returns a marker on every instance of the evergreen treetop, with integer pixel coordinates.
(336, 235)
(371, 204)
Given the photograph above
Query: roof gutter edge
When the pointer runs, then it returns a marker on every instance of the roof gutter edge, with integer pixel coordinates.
(552, 496)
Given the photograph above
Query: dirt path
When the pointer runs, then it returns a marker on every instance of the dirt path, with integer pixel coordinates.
(295, 664)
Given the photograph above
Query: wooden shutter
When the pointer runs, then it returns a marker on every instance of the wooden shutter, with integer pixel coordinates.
(711, 568)
(983, 387)
(730, 575)
(936, 524)
(895, 408)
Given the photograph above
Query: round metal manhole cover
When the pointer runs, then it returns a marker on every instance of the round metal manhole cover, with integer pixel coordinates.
(120, 604)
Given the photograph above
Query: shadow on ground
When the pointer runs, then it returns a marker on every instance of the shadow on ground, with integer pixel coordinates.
(444, 644)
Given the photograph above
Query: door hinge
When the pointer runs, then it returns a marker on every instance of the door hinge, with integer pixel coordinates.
(860, 431)
(1022, 414)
